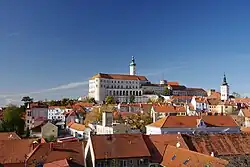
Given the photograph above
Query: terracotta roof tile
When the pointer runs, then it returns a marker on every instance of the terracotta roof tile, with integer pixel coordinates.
(168, 109)
(157, 144)
(59, 163)
(246, 112)
(119, 146)
(15, 151)
(200, 100)
(51, 152)
(191, 121)
(77, 126)
(120, 77)
(182, 157)
(174, 83)
(9, 136)
(220, 144)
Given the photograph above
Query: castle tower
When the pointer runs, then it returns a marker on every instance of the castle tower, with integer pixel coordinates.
(224, 89)
(132, 66)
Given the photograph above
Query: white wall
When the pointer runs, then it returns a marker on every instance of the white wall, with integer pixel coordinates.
(155, 130)
(56, 114)
(103, 130)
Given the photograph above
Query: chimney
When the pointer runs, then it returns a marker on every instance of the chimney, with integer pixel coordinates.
(51, 146)
(34, 144)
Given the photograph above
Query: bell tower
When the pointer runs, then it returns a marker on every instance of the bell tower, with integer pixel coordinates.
(132, 66)
(224, 89)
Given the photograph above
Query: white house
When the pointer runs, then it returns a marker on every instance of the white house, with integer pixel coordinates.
(246, 114)
(199, 103)
(193, 125)
(120, 86)
(161, 111)
(78, 130)
(57, 113)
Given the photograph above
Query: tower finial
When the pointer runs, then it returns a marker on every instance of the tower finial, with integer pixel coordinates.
(224, 79)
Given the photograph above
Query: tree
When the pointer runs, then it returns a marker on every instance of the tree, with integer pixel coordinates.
(236, 95)
(91, 100)
(160, 99)
(94, 115)
(65, 101)
(27, 132)
(166, 91)
(27, 100)
(13, 119)
(51, 138)
(110, 100)
(132, 99)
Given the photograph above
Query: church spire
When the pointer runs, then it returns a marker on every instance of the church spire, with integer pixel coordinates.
(133, 61)
(224, 80)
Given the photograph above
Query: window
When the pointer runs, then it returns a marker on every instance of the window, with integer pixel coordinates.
(186, 161)
(173, 158)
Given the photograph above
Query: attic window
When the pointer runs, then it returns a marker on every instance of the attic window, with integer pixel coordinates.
(186, 161)
(173, 158)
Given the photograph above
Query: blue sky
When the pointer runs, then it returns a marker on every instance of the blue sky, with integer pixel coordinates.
(49, 49)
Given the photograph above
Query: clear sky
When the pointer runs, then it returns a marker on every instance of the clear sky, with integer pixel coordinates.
(49, 49)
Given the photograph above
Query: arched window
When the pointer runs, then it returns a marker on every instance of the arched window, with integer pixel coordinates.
(117, 93)
(139, 93)
(120, 93)
(136, 93)
(126, 93)
(110, 93)
(123, 93)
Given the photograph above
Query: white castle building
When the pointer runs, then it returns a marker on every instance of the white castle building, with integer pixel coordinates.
(123, 86)
(120, 86)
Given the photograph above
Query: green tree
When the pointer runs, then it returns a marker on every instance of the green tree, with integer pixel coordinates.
(132, 99)
(51, 138)
(27, 132)
(27, 100)
(166, 91)
(110, 100)
(65, 101)
(236, 95)
(52, 103)
(160, 99)
(13, 120)
(91, 100)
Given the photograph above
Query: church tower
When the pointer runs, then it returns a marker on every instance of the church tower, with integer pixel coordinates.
(132, 66)
(224, 89)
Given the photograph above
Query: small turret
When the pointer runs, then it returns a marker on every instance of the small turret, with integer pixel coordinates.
(132, 66)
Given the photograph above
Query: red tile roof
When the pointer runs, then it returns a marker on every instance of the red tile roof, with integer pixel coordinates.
(169, 109)
(14, 151)
(173, 83)
(9, 136)
(78, 127)
(174, 156)
(119, 146)
(59, 163)
(157, 144)
(200, 100)
(191, 121)
(51, 152)
(120, 77)
(220, 144)
(246, 112)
